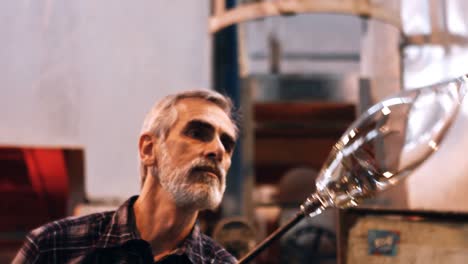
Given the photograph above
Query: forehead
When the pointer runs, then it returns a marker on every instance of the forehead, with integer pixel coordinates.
(189, 109)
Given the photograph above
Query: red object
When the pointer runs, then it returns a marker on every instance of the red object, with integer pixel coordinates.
(34, 187)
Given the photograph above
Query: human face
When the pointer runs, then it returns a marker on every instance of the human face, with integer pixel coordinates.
(194, 158)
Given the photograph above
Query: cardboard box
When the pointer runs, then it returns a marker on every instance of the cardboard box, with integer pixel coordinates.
(391, 236)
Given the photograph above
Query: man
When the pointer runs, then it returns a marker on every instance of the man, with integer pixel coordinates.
(185, 149)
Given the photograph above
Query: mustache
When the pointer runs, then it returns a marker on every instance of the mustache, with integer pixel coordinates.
(209, 166)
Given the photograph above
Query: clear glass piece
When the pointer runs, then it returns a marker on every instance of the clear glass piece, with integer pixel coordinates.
(385, 144)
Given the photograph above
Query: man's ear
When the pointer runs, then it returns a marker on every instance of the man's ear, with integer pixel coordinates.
(146, 146)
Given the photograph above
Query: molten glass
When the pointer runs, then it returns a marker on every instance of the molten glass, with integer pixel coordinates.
(387, 142)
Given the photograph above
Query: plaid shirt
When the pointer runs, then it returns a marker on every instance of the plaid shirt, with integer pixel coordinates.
(110, 237)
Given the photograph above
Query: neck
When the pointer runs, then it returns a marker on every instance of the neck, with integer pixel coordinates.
(160, 221)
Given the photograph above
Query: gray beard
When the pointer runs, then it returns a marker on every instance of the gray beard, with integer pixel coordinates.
(199, 192)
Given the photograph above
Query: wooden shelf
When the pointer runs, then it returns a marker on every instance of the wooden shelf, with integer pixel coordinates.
(296, 134)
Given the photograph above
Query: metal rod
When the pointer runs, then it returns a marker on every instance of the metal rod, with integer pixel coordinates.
(271, 238)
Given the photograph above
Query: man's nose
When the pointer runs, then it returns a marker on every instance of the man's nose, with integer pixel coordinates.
(215, 149)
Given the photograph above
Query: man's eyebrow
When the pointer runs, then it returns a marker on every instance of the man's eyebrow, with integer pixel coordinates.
(198, 123)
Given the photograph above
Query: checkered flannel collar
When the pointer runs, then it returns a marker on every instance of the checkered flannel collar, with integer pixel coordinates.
(192, 246)
(122, 229)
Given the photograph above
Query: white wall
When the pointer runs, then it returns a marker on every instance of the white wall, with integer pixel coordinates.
(442, 182)
(84, 73)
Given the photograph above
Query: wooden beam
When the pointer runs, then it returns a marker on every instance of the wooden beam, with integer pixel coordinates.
(252, 11)
(219, 6)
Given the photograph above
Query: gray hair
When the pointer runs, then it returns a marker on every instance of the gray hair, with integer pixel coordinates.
(163, 115)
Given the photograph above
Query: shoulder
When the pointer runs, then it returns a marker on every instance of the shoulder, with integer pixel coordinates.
(74, 233)
(61, 233)
(216, 251)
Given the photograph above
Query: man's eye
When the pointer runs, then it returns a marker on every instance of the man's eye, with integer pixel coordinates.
(199, 131)
(228, 148)
(228, 144)
(199, 134)
(194, 133)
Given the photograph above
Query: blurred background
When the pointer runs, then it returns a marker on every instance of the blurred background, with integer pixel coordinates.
(77, 78)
